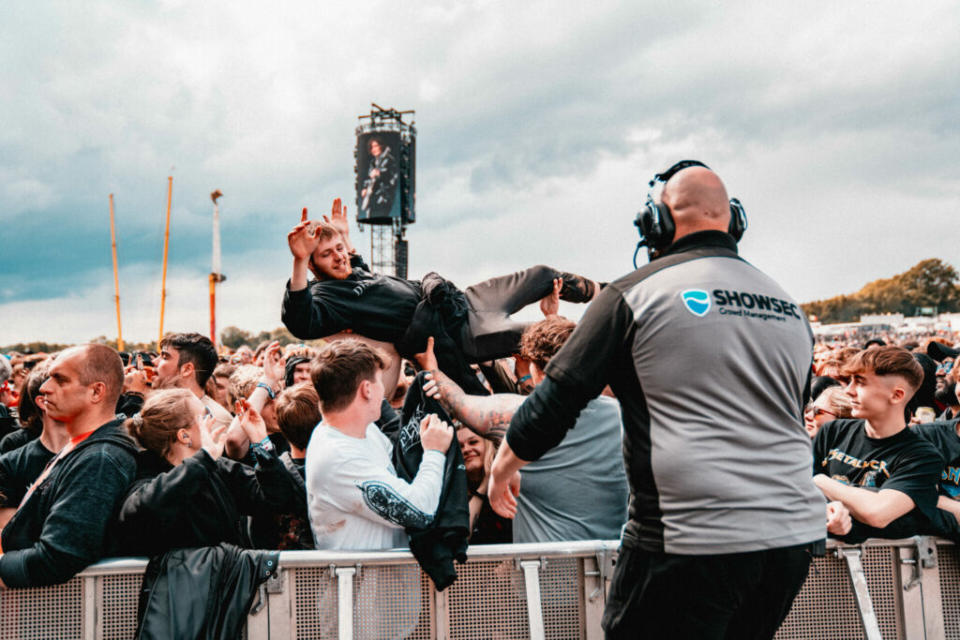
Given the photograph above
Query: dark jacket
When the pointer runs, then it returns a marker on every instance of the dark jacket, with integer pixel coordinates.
(445, 539)
(68, 522)
(19, 468)
(19, 437)
(200, 502)
(201, 593)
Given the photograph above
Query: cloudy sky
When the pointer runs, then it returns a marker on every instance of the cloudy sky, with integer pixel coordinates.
(539, 124)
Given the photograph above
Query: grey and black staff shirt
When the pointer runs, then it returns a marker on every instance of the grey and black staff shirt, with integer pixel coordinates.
(710, 360)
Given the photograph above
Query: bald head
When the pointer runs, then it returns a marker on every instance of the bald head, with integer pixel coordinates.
(697, 200)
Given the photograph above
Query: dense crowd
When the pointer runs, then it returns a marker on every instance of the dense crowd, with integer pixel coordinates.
(348, 445)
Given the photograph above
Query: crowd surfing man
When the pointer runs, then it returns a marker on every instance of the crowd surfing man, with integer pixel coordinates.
(712, 389)
(65, 520)
(470, 326)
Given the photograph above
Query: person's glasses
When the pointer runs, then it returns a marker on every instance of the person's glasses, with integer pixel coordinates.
(817, 411)
(945, 367)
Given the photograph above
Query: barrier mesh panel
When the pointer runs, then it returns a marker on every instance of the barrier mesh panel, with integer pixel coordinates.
(48, 612)
(389, 602)
(826, 609)
(488, 600)
(561, 589)
(315, 604)
(948, 562)
(119, 595)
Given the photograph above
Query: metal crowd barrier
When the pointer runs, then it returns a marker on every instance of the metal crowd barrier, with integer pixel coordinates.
(882, 589)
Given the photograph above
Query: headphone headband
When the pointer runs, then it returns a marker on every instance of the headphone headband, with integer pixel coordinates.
(655, 221)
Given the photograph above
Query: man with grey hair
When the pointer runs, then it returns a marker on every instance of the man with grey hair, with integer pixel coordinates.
(63, 522)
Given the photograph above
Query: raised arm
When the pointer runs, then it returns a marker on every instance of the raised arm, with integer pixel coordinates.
(302, 241)
(487, 416)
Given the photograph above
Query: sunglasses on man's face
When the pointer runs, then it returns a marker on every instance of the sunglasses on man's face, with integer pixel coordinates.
(945, 367)
(817, 411)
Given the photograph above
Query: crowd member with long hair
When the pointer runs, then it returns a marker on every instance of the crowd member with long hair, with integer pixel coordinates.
(186, 493)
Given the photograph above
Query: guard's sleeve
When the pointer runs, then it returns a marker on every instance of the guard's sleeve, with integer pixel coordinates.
(594, 353)
(386, 498)
(74, 532)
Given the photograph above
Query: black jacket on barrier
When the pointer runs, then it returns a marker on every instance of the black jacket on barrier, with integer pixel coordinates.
(68, 521)
(445, 540)
(202, 593)
(200, 502)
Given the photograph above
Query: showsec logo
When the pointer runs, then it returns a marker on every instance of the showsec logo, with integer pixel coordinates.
(697, 301)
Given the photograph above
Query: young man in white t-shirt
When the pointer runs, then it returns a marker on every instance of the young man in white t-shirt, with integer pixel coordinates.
(354, 497)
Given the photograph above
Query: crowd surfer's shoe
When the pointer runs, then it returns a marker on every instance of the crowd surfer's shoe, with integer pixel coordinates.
(577, 288)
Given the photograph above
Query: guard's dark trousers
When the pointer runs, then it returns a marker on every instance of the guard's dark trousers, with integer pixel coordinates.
(737, 596)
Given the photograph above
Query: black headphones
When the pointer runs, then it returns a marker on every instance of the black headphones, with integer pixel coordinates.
(655, 222)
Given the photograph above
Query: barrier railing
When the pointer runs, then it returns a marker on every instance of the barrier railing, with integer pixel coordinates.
(882, 589)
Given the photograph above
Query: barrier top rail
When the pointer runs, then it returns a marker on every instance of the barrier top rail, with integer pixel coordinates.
(289, 559)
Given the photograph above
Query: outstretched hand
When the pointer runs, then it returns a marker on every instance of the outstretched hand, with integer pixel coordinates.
(303, 238)
(338, 219)
(427, 359)
(211, 439)
(251, 421)
(550, 303)
(503, 493)
(273, 367)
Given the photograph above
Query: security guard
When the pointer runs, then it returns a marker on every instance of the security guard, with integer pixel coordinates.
(710, 360)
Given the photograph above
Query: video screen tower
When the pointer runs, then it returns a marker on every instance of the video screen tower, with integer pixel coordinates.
(385, 183)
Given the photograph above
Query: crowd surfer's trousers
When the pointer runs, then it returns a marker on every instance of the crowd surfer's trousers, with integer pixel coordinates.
(737, 596)
(490, 332)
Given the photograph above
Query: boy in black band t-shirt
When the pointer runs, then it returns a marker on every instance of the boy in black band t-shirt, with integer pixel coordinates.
(884, 473)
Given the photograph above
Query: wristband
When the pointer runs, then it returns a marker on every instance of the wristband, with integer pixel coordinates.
(264, 385)
(524, 379)
(264, 445)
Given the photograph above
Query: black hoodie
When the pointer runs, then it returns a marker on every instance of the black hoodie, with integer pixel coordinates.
(68, 522)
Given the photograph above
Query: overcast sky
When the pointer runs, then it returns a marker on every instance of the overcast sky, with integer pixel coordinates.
(539, 124)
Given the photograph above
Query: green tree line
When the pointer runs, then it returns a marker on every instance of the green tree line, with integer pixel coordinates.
(929, 284)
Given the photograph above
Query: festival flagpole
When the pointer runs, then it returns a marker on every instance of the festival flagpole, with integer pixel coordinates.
(116, 278)
(166, 249)
(215, 275)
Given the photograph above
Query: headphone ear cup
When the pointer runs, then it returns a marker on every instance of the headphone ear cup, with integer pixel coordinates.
(655, 225)
(738, 220)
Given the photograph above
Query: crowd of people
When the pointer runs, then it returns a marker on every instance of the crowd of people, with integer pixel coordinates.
(349, 445)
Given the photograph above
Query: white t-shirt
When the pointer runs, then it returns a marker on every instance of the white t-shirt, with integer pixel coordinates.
(354, 497)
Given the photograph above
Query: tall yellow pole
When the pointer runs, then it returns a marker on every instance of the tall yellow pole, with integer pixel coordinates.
(116, 278)
(166, 250)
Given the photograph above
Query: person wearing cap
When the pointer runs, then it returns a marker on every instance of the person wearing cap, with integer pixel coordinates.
(709, 359)
(945, 394)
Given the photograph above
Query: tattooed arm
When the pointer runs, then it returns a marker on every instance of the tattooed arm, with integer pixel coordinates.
(487, 416)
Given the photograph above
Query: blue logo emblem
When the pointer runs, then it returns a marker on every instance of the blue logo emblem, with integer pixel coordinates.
(697, 301)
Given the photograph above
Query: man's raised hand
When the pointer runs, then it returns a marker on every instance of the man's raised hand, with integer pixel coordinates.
(427, 360)
(338, 219)
(550, 303)
(435, 434)
(303, 239)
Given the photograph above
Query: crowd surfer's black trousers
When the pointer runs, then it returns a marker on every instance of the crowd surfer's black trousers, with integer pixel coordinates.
(737, 596)
(490, 332)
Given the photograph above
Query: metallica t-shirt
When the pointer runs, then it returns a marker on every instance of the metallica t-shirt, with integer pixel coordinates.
(905, 462)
